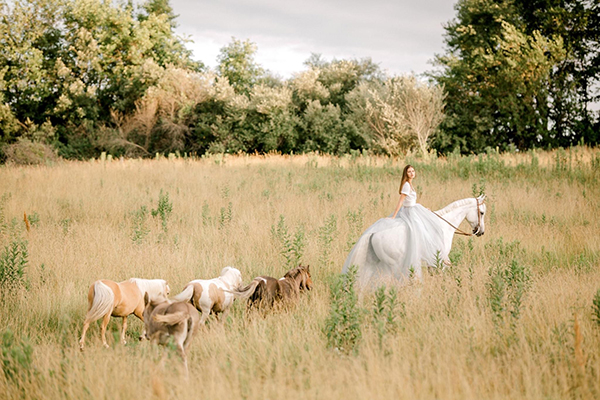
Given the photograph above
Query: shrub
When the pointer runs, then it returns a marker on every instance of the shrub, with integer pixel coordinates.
(17, 356)
(13, 261)
(342, 326)
(26, 152)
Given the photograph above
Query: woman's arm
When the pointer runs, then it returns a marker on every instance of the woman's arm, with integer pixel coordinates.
(400, 201)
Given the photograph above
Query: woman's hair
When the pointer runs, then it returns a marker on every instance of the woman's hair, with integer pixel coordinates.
(404, 177)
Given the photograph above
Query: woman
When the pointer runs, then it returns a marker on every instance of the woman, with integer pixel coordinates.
(397, 246)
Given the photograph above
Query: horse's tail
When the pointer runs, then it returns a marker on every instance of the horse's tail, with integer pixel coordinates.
(246, 291)
(186, 295)
(172, 319)
(102, 303)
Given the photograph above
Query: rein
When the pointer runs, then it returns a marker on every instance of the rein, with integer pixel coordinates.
(459, 231)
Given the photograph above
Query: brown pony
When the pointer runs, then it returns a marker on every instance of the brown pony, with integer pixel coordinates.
(168, 320)
(106, 298)
(266, 291)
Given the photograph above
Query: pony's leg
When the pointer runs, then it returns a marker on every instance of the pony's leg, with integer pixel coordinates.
(123, 329)
(205, 313)
(86, 325)
(139, 312)
(104, 325)
(181, 352)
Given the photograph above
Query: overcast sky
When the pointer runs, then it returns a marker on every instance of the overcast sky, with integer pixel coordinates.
(402, 36)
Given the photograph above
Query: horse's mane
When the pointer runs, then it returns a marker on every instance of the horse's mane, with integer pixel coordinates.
(454, 205)
(229, 275)
(152, 286)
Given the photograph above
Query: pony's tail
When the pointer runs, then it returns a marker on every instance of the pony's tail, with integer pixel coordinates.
(247, 291)
(103, 302)
(172, 319)
(186, 295)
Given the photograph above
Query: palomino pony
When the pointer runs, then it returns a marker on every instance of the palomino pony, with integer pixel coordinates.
(380, 255)
(212, 295)
(106, 298)
(168, 320)
(265, 291)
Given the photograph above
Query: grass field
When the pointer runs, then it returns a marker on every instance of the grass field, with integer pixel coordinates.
(513, 318)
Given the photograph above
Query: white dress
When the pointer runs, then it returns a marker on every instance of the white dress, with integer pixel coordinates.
(396, 248)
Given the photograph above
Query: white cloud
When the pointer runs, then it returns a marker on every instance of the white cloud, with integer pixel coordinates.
(402, 36)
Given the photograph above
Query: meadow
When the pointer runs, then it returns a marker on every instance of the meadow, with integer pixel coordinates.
(516, 316)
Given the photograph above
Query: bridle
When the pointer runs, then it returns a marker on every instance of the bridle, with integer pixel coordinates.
(460, 231)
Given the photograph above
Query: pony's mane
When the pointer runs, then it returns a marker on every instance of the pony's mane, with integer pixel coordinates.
(152, 286)
(229, 274)
(454, 205)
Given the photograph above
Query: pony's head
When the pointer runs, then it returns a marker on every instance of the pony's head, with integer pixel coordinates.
(149, 306)
(476, 216)
(231, 275)
(301, 273)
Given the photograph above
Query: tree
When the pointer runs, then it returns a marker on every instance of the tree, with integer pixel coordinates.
(69, 65)
(400, 113)
(502, 75)
(237, 64)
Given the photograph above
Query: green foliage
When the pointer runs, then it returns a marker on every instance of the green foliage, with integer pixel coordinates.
(13, 261)
(596, 307)
(510, 75)
(291, 247)
(507, 287)
(327, 234)
(386, 312)
(355, 223)
(478, 191)
(342, 326)
(139, 227)
(17, 357)
(225, 216)
(237, 65)
(206, 218)
(163, 210)
(70, 63)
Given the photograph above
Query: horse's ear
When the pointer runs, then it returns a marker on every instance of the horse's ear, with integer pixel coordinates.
(146, 299)
(308, 268)
(481, 198)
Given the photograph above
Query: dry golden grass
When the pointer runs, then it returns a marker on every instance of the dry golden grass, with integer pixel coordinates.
(447, 345)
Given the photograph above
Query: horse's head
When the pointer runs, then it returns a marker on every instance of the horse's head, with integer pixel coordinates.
(301, 274)
(476, 216)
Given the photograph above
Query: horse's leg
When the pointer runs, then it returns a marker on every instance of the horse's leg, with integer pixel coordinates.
(104, 324)
(123, 329)
(139, 312)
(205, 311)
(86, 325)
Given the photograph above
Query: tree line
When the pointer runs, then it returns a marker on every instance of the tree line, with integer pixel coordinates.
(79, 77)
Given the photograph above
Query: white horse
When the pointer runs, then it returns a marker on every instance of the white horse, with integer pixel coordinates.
(379, 254)
(212, 295)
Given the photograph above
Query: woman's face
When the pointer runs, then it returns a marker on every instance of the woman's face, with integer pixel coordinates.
(411, 173)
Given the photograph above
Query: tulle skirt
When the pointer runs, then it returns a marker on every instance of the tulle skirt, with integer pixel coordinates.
(397, 248)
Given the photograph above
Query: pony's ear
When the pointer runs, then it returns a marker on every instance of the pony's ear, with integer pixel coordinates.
(146, 299)
(308, 268)
(481, 198)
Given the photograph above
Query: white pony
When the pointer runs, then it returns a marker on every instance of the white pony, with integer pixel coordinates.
(381, 252)
(212, 294)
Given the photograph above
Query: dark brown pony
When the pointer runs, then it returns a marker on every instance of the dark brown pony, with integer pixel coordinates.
(266, 291)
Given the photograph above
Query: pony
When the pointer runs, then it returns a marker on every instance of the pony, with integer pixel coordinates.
(166, 320)
(378, 255)
(107, 298)
(212, 295)
(266, 291)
